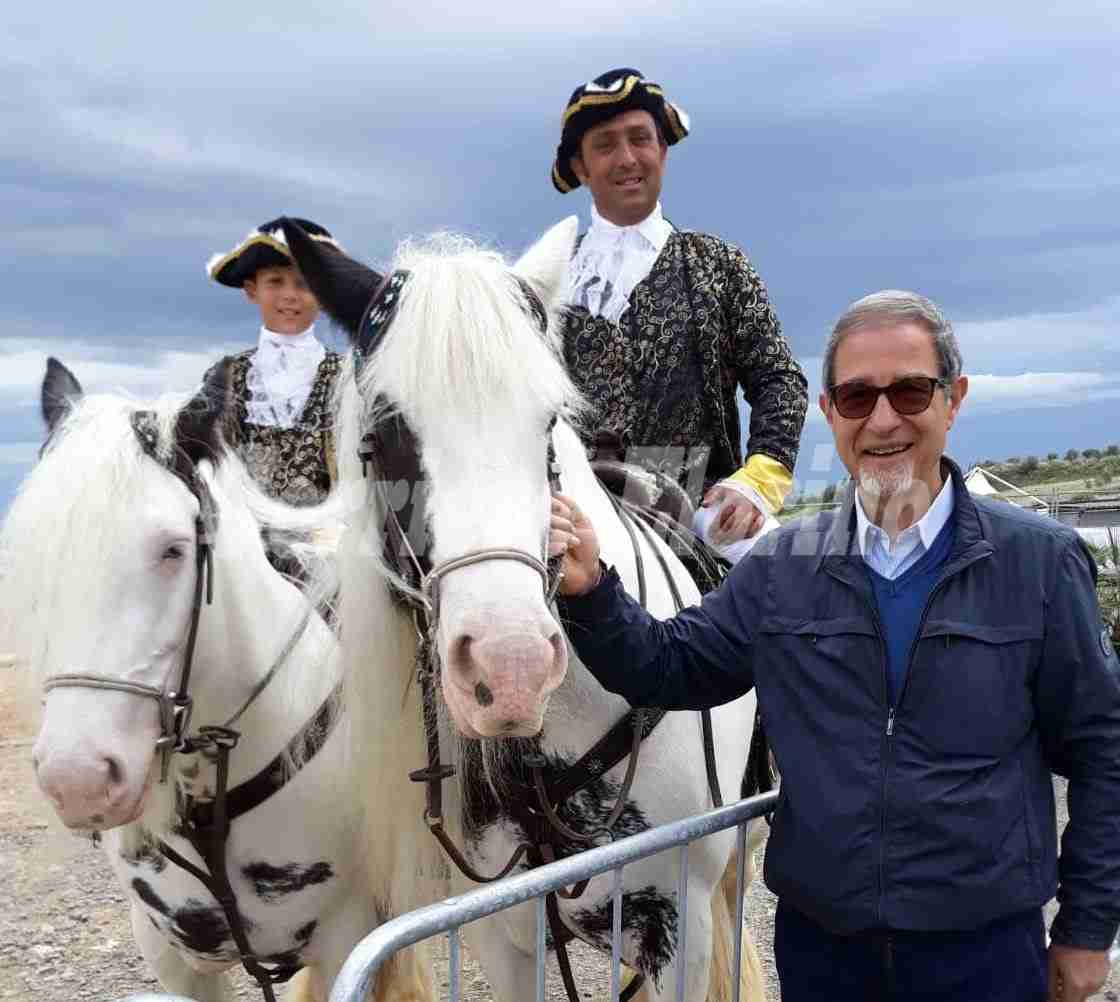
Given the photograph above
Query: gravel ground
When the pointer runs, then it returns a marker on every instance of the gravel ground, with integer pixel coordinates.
(64, 933)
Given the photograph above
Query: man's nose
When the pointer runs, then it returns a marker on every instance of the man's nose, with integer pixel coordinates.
(883, 415)
(626, 154)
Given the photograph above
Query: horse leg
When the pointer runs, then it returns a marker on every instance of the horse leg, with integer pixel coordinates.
(511, 971)
(404, 977)
(752, 988)
(169, 967)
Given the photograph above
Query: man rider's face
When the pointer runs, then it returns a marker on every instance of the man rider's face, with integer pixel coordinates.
(621, 162)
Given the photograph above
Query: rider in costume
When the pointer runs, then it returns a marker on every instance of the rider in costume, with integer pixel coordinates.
(280, 425)
(665, 324)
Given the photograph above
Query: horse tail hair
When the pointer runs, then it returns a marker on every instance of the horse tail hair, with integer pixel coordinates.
(721, 977)
(759, 775)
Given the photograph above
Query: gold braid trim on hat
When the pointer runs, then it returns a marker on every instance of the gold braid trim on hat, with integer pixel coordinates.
(217, 263)
(599, 97)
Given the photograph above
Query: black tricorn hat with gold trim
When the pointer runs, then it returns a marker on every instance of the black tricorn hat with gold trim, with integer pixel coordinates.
(601, 99)
(265, 247)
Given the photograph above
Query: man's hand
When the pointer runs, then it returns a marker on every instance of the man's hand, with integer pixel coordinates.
(737, 518)
(572, 534)
(1075, 974)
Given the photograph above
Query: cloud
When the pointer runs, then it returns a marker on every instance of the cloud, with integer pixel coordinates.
(1030, 390)
(22, 363)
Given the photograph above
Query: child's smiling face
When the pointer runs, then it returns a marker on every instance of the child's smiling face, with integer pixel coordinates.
(286, 303)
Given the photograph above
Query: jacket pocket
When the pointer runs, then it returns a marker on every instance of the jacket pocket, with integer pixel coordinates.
(970, 690)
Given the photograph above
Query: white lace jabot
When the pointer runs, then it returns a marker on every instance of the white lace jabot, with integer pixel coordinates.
(281, 375)
(611, 260)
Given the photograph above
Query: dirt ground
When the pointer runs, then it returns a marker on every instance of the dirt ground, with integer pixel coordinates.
(64, 933)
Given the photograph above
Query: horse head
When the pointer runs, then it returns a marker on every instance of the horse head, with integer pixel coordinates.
(101, 571)
(458, 383)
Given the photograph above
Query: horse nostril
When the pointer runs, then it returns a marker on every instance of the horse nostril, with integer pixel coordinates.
(483, 694)
(461, 653)
(115, 770)
(559, 648)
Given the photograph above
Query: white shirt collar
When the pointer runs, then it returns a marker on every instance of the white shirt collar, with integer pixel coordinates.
(926, 528)
(294, 342)
(611, 260)
(654, 229)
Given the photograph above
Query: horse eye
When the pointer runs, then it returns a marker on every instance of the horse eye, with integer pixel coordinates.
(173, 552)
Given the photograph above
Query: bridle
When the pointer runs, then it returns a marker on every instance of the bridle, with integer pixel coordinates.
(391, 451)
(174, 699)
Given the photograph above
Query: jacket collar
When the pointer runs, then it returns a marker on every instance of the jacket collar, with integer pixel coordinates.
(841, 541)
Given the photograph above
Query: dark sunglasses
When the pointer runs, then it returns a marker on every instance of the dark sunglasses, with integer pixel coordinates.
(908, 396)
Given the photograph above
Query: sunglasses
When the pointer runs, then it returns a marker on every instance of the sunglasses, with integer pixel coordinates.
(908, 396)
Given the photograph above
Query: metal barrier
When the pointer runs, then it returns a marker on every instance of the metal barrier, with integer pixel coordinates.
(357, 974)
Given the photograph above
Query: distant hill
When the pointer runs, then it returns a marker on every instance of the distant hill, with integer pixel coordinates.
(1072, 472)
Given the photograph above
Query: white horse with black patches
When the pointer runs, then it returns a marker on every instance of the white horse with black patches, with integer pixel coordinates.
(99, 551)
(455, 349)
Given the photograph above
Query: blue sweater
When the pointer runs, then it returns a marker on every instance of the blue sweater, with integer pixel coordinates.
(901, 602)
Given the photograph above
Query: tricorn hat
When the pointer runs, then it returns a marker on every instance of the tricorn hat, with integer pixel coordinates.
(604, 97)
(264, 247)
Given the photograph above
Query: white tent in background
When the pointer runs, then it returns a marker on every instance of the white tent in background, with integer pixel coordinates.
(979, 481)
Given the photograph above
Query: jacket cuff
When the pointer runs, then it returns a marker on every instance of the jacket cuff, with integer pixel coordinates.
(592, 606)
(1082, 932)
(762, 478)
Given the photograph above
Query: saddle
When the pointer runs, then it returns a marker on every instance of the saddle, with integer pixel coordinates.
(658, 500)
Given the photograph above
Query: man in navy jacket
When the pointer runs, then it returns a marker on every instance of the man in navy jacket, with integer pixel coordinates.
(923, 660)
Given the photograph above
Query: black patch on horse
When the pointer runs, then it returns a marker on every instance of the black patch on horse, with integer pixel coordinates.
(270, 883)
(147, 853)
(584, 811)
(649, 916)
(202, 929)
(143, 890)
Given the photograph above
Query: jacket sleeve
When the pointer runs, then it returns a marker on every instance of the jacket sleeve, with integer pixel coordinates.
(1078, 707)
(772, 381)
(700, 658)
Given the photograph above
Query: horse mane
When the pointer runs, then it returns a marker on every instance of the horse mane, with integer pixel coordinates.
(96, 454)
(463, 344)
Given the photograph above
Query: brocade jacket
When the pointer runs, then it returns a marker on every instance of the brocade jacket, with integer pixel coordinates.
(663, 379)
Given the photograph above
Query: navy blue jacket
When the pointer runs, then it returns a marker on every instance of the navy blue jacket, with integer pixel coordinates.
(941, 817)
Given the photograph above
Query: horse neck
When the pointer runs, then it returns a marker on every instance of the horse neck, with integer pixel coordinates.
(241, 636)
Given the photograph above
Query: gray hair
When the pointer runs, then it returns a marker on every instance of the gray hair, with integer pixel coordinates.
(890, 308)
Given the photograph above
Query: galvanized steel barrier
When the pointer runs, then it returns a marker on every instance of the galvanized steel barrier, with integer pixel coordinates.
(448, 916)
(357, 974)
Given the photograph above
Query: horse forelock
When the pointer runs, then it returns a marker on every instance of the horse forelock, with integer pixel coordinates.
(464, 345)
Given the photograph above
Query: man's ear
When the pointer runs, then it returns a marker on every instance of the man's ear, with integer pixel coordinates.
(249, 287)
(576, 163)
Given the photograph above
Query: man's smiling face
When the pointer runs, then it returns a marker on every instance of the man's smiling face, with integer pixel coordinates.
(621, 162)
(888, 453)
(286, 303)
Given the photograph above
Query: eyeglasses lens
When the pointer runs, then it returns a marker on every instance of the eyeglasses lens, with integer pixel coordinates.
(906, 396)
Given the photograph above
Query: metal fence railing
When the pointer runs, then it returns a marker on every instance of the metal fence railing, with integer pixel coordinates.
(359, 971)
(447, 917)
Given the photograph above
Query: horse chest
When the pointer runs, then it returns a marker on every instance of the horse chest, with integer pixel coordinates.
(280, 899)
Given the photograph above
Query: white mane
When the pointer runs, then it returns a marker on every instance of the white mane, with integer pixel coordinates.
(463, 344)
(93, 467)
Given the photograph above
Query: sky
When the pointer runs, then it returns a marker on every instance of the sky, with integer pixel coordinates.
(971, 153)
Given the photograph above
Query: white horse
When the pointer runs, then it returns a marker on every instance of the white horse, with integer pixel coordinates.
(100, 552)
(465, 363)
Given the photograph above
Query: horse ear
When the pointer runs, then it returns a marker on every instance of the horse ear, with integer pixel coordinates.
(545, 264)
(198, 425)
(342, 285)
(60, 392)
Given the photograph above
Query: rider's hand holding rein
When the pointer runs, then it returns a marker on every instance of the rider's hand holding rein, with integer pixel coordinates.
(572, 534)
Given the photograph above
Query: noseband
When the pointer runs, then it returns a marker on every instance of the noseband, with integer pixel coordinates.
(175, 702)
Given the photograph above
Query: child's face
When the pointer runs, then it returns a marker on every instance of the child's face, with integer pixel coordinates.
(286, 303)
